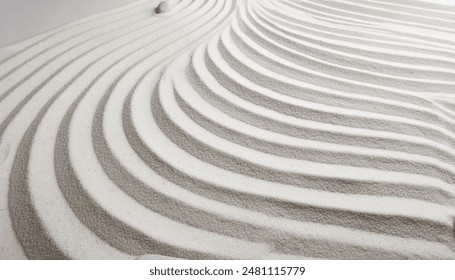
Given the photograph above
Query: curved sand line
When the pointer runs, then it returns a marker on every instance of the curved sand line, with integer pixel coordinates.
(233, 129)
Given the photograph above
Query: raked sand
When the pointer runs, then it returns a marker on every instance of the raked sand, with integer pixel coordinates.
(233, 130)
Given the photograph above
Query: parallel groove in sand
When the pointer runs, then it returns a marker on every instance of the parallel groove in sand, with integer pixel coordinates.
(233, 129)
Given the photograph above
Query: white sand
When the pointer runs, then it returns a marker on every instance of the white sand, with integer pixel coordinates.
(25, 18)
(232, 129)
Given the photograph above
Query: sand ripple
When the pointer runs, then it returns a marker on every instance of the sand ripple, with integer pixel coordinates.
(233, 129)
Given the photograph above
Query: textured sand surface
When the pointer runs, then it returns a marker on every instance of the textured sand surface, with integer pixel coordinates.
(232, 129)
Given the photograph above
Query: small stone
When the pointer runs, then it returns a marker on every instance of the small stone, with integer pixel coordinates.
(163, 7)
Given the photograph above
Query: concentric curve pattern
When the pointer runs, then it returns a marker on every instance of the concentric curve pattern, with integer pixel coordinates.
(232, 129)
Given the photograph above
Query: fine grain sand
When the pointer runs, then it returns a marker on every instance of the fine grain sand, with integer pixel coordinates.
(254, 129)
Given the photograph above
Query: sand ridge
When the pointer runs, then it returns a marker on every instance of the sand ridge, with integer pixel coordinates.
(233, 130)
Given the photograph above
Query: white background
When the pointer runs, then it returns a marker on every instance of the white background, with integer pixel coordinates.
(132, 270)
(21, 19)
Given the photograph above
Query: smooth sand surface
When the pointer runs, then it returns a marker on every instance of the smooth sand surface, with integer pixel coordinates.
(25, 18)
(232, 130)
